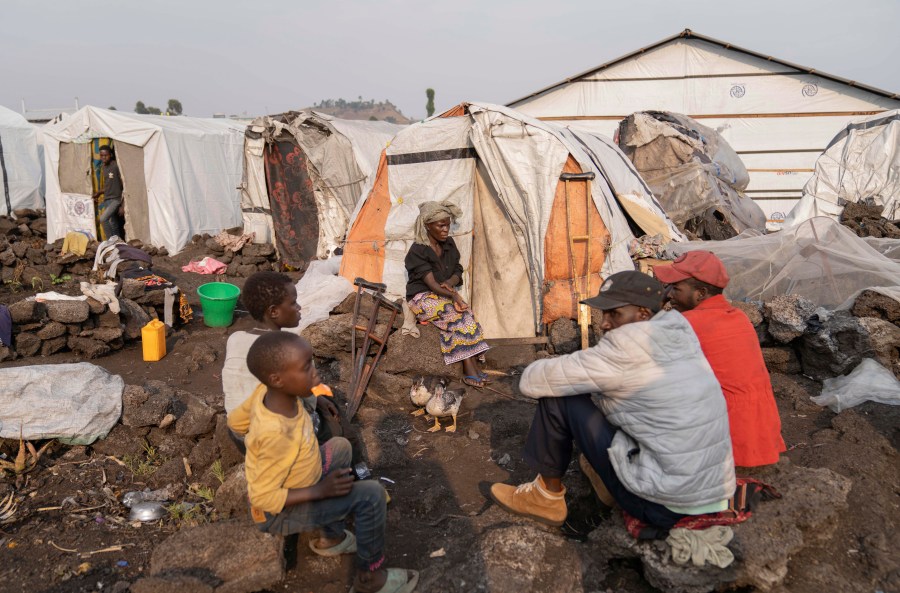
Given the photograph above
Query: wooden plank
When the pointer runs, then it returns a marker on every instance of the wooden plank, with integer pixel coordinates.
(781, 151)
(781, 170)
(518, 341)
(719, 115)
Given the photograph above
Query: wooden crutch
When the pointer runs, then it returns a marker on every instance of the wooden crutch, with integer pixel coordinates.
(584, 312)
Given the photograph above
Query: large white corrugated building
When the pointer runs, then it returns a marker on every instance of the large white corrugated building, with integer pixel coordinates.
(778, 116)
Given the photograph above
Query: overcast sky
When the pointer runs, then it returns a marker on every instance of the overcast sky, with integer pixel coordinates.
(269, 56)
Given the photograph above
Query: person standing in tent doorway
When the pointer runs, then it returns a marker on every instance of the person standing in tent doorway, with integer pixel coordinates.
(112, 218)
(434, 275)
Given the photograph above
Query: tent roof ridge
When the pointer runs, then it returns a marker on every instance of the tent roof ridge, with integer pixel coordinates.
(689, 34)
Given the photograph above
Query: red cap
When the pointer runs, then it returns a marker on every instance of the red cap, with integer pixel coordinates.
(700, 265)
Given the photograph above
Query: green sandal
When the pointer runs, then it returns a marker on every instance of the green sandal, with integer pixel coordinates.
(399, 580)
(347, 546)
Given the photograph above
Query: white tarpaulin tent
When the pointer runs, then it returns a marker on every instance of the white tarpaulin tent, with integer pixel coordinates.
(339, 156)
(180, 174)
(20, 165)
(503, 170)
(861, 164)
(778, 116)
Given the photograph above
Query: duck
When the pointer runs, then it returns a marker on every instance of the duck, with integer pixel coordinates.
(445, 403)
(422, 390)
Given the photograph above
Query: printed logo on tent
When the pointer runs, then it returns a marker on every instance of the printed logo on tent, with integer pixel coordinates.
(738, 91)
(810, 90)
(77, 206)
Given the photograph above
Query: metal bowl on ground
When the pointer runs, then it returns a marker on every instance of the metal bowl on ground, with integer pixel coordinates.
(150, 510)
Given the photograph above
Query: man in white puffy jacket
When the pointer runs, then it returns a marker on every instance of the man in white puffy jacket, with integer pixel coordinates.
(659, 440)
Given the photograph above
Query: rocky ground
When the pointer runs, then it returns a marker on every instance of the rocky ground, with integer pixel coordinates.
(835, 529)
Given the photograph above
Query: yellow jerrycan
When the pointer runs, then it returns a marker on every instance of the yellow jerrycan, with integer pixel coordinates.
(153, 337)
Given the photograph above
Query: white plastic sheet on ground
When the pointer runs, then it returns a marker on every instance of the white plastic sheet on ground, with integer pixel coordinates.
(75, 403)
(869, 381)
(818, 259)
(320, 290)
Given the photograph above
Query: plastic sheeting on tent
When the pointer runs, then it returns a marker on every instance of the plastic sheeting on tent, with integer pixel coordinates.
(180, 174)
(503, 170)
(860, 164)
(20, 165)
(339, 156)
(693, 172)
(818, 259)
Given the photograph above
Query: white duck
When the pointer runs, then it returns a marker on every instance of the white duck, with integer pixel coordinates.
(423, 389)
(442, 404)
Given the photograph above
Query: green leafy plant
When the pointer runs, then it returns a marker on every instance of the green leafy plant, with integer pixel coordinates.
(144, 464)
(218, 471)
(14, 285)
(61, 279)
(186, 514)
(204, 492)
(37, 282)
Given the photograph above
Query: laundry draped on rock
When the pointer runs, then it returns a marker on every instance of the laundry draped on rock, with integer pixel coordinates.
(207, 265)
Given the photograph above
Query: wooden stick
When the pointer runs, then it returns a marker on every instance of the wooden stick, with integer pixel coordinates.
(62, 549)
(116, 548)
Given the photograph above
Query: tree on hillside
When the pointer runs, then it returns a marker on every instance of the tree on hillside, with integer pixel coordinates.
(154, 110)
(112, 108)
(373, 118)
(429, 107)
(174, 107)
(139, 107)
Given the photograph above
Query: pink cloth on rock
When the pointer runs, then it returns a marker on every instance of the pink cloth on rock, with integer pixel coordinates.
(207, 265)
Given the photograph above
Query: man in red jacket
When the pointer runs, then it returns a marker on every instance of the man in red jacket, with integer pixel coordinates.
(695, 282)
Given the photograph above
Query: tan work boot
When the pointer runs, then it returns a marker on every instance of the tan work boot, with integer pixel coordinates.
(596, 481)
(532, 500)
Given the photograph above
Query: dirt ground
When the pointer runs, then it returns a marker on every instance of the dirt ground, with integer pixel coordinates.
(72, 535)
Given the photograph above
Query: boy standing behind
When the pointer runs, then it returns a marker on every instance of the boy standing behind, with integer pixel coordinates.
(293, 484)
(271, 299)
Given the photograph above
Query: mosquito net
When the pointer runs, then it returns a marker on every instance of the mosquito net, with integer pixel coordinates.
(818, 259)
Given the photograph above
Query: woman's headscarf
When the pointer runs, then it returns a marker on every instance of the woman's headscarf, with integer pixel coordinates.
(432, 212)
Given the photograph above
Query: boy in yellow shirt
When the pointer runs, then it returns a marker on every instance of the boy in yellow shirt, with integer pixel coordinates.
(294, 484)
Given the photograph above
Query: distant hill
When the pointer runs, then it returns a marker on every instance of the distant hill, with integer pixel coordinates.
(382, 111)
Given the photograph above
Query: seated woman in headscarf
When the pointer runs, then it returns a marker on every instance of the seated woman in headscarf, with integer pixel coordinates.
(434, 271)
